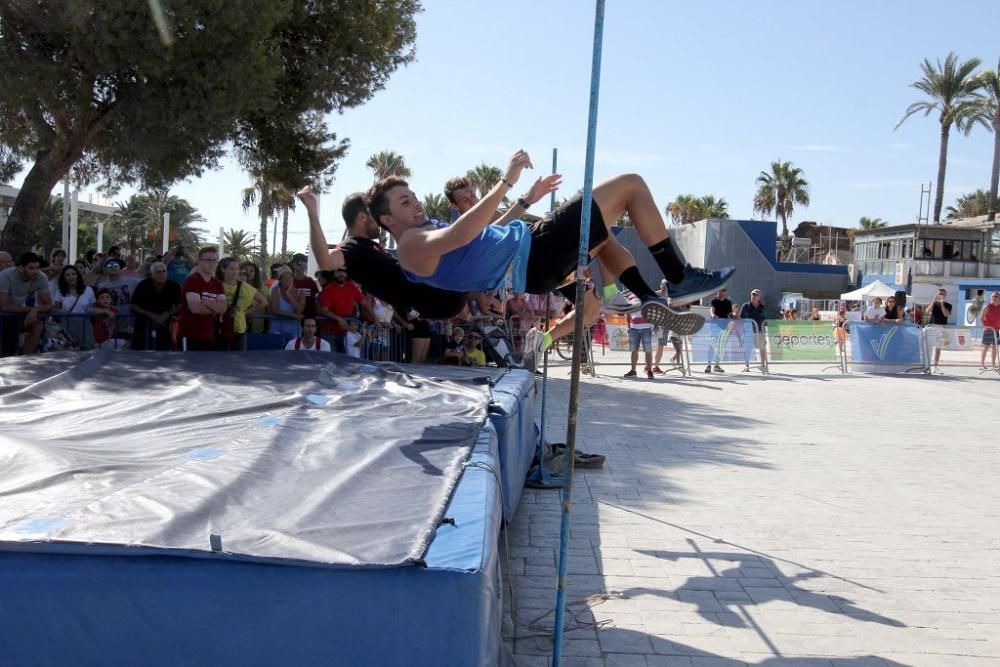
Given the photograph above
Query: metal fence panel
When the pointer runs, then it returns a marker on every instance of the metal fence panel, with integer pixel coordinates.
(802, 342)
(958, 346)
(725, 342)
(886, 348)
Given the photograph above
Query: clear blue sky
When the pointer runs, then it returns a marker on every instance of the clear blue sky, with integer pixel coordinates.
(696, 97)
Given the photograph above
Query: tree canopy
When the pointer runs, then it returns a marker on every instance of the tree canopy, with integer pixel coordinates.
(686, 209)
(950, 89)
(95, 88)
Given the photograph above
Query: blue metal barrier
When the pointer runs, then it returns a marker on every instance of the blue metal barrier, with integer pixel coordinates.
(887, 348)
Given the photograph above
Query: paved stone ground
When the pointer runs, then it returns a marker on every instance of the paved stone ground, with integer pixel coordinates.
(782, 520)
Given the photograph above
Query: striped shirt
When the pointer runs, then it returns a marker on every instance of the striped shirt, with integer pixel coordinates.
(481, 266)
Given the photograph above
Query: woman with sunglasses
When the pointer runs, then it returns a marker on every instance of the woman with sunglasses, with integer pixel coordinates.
(894, 312)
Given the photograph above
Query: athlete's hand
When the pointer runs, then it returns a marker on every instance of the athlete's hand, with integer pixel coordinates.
(518, 162)
(488, 303)
(308, 198)
(543, 186)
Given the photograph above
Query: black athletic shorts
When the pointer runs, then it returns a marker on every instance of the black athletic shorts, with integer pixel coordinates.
(421, 328)
(555, 244)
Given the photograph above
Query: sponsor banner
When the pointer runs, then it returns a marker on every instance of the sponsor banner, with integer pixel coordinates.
(721, 341)
(886, 344)
(618, 337)
(801, 340)
(954, 338)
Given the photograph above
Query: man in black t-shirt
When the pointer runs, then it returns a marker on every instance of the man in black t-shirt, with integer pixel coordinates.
(377, 271)
(940, 311)
(722, 309)
(154, 304)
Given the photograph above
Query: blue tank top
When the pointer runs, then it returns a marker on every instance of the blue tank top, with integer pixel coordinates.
(481, 265)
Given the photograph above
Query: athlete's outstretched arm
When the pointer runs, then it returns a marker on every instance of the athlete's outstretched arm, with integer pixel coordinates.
(473, 221)
(327, 260)
(538, 190)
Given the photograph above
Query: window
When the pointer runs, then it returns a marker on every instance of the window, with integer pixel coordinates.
(950, 249)
(907, 248)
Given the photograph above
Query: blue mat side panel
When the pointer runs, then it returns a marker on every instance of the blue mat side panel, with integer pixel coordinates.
(512, 412)
(156, 610)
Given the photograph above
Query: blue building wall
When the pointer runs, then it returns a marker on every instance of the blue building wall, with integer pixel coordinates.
(750, 247)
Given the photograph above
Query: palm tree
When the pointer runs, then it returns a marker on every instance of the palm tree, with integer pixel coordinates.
(484, 177)
(138, 222)
(683, 210)
(971, 205)
(779, 191)
(239, 243)
(988, 115)
(710, 207)
(436, 207)
(951, 91)
(686, 209)
(387, 163)
(265, 197)
(871, 223)
(284, 201)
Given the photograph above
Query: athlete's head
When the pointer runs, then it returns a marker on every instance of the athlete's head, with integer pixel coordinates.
(460, 193)
(358, 219)
(394, 206)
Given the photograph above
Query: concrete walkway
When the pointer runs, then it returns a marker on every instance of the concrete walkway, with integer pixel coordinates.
(782, 520)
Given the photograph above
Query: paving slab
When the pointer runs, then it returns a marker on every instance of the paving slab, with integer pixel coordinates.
(798, 518)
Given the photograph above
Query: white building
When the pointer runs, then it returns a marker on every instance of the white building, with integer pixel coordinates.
(962, 256)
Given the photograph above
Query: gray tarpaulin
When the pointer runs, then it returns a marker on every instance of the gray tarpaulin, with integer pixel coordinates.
(303, 457)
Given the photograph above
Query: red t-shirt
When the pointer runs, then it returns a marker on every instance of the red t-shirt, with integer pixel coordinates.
(104, 327)
(194, 326)
(991, 316)
(341, 301)
(307, 287)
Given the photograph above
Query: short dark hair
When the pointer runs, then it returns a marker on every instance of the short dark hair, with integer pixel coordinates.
(104, 290)
(90, 255)
(378, 203)
(58, 251)
(327, 275)
(208, 248)
(310, 317)
(353, 204)
(28, 258)
(453, 184)
(114, 249)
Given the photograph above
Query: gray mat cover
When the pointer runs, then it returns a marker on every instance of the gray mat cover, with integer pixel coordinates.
(307, 458)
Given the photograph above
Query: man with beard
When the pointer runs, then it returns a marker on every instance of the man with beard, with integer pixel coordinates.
(338, 301)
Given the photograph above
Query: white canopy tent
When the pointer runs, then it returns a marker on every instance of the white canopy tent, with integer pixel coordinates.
(877, 288)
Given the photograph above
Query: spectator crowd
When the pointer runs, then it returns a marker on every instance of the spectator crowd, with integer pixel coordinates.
(201, 301)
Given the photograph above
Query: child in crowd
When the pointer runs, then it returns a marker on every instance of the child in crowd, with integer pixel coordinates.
(473, 355)
(454, 350)
(105, 320)
(353, 339)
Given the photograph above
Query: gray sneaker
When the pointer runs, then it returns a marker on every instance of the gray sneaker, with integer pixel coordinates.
(655, 310)
(534, 349)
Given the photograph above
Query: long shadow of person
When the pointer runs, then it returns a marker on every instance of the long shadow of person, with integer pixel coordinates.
(748, 569)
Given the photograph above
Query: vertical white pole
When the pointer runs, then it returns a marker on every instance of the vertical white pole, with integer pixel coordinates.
(222, 243)
(65, 219)
(74, 221)
(166, 233)
(100, 237)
